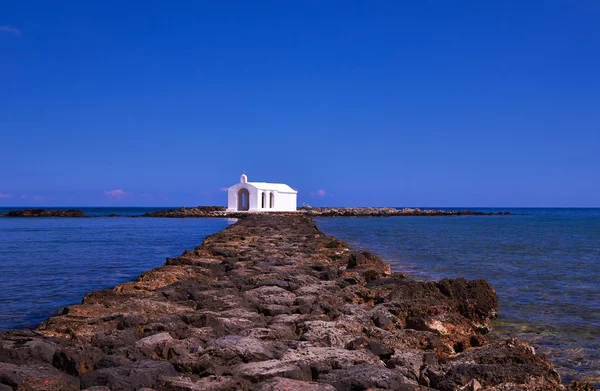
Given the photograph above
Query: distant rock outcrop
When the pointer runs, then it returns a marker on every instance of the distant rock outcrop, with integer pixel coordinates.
(199, 211)
(221, 211)
(387, 212)
(44, 213)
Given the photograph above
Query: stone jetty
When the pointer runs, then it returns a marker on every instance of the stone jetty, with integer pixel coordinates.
(271, 303)
(216, 211)
(221, 211)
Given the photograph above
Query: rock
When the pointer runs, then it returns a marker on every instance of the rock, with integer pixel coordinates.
(477, 300)
(76, 360)
(283, 384)
(473, 385)
(263, 370)
(26, 347)
(36, 377)
(228, 351)
(507, 362)
(582, 386)
(270, 295)
(209, 383)
(323, 333)
(129, 377)
(409, 362)
(247, 349)
(365, 376)
(358, 343)
(200, 211)
(323, 359)
(383, 319)
(156, 346)
(380, 350)
(44, 213)
(220, 211)
(387, 212)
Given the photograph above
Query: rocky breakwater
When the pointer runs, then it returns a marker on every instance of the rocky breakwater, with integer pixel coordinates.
(199, 211)
(43, 213)
(271, 303)
(221, 211)
(387, 212)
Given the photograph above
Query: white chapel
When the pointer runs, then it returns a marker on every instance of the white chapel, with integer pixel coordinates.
(261, 197)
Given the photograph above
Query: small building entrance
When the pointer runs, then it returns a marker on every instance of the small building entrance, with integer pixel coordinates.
(243, 200)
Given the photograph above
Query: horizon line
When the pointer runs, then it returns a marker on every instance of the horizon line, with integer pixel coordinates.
(329, 206)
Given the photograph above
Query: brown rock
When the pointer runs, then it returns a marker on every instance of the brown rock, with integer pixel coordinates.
(283, 384)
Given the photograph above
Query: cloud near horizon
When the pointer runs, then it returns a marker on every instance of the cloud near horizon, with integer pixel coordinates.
(117, 193)
(5, 195)
(38, 198)
(10, 30)
(319, 193)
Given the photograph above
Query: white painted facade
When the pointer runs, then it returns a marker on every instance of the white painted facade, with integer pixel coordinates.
(261, 197)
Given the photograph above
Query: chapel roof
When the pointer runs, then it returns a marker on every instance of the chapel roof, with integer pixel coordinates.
(280, 187)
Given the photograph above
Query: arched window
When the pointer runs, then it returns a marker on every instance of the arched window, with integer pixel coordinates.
(243, 200)
(272, 200)
(264, 200)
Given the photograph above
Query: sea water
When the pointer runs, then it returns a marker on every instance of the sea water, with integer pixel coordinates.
(543, 263)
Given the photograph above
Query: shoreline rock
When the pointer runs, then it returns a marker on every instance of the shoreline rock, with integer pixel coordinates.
(221, 212)
(44, 213)
(271, 303)
(387, 212)
(215, 211)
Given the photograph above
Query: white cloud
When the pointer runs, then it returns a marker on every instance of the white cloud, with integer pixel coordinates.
(163, 196)
(321, 193)
(5, 195)
(38, 198)
(224, 189)
(146, 195)
(10, 30)
(118, 193)
(318, 193)
(23, 196)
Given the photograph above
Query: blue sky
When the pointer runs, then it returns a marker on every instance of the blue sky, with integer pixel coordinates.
(429, 103)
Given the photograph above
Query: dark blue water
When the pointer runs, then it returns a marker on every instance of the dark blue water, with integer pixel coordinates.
(543, 263)
(47, 263)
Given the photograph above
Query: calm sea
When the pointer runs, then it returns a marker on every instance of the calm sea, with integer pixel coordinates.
(47, 263)
(543, 263)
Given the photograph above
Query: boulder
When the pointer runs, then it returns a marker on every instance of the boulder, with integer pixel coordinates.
(283, 384)
(37, 377)
(129, 377)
